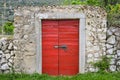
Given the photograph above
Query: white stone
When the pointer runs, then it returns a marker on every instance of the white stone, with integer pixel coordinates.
(4, 67)
(99, 30)
(4, 47)
(6, 71)
(118, 62)
(89, 60)
(92, 69)
(25, 36)
(12, 53)
(89, 43)
(96, 59)
(113, 29)
(1, 52)
(6, 52)
(109, 32)
(10, 60)
(110, 51)
(111, 40)
(109, 46)
(96, 54)
(93, 29)
(116, 57)
(104, 48)
(15, 48)
(118, 52)
(90, 55)
(104, 53)
(112, 68)
(96, 48)
(15, 41)
(3, 60)
(117, 33)
(112, 61)
(96, 69)
(7, 56)
(110, 56)
(10, 46)
(9, 64)
(102, 36)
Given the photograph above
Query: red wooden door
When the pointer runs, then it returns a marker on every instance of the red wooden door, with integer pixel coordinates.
(60, 49)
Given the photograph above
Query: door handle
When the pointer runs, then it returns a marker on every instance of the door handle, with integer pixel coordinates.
(64, 47)
(56, 46)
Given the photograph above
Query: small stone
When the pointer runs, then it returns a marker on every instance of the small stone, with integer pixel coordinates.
(1, 52)
(108, 46)
(102, 36)
(118, 68)
(10, 46)
(96, 48)
(15, 41)
(4, 47)
(89, 43)
(111, 40)
(117, 32)
(25, 36)
(110, 56)
(110, 51)
(3, 61)
(96, 59)
(3, 41)
(6, 52)
(0, 45)
(109, 32)
(112, 68)
(91, 69)
(112, 61)
(118, 38)
(15, 48)
(113, 29)
(118, 52)
(4, 67)
(12, 53)
(7, 56)
(6, 71)
(90, 55)
(96, 55)
(118, 63)
(9, 64)
(89, 60)
(10, 60)
(0, 56)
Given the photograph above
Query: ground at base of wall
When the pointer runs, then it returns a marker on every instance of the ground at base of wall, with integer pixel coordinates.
(86, 76)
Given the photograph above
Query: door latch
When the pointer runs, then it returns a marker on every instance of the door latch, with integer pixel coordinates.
(64, 47)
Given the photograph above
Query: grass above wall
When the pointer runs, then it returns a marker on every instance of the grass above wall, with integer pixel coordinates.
(86, 76)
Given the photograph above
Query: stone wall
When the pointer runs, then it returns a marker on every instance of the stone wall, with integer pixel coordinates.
(113, 47)
(25, 34)
(6, 55)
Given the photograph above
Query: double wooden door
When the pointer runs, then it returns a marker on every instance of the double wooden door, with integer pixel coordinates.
(60, 47)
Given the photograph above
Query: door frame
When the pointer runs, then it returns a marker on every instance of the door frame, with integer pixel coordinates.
(56, 15)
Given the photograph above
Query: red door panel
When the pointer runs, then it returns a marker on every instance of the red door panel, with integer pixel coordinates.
(49, 53)
(57, 61)
(68, 59)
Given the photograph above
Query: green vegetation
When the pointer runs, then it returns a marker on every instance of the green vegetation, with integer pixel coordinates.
(113, 15)
(86, 76)
(103, 64)
(7, 28)
(112, 8)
